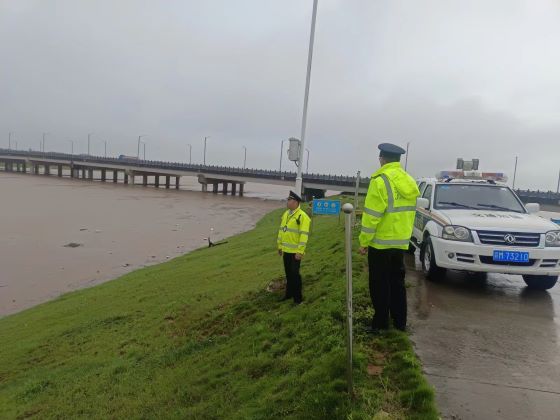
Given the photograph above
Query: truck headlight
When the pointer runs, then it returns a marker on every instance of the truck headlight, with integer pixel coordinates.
(553, 238)
(457, 233)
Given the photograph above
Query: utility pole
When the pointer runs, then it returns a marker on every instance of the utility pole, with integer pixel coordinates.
(558, 186)
(514, 173)
(139, 137)
(245, 158)
(281, 151)
(406, 156)
(10, 140)
(299, 180)
(88, 141)
(190, 154)
(105, 148)
(43, 144)
(204, 159)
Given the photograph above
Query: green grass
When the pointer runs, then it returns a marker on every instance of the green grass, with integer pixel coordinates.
(200, 337)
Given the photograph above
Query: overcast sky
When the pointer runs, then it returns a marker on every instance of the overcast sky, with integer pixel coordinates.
(453, 78)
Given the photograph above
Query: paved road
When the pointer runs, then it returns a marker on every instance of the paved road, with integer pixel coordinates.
(491, 349)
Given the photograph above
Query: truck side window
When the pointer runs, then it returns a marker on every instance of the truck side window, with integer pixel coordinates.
(428, 193)
(421, 186)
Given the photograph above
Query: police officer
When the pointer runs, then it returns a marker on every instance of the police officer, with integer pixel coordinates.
(387, 222)
(292, 240)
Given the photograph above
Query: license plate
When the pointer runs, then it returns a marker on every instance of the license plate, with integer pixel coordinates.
(511, 256)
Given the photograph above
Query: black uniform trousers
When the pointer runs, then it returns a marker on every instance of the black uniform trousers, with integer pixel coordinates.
(386, 287)
(293, 278)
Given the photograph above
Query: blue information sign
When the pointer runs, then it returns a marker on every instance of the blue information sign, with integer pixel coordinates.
(331, 207)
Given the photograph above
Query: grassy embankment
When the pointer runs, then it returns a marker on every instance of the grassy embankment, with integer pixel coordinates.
(200, 337)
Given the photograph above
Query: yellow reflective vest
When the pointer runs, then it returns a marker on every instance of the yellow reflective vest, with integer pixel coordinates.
(294, 231)
(389, 210)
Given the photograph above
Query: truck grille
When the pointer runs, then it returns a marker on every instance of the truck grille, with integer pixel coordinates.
(489, 237)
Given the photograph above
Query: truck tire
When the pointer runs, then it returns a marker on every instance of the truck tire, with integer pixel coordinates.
(429, 265)
(539, 282)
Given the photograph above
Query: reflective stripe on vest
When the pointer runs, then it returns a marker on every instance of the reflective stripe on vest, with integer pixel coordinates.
(288, 245)
(368, 230)
(391, 200)
(390, 241)
(372, 212)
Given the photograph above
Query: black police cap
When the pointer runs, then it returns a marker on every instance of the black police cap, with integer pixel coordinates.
(390, 149)
(294, 196)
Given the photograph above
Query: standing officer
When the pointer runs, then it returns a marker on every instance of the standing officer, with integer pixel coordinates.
(387, 223)
(292, 240)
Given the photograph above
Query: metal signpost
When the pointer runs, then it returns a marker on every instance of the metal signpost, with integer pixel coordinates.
(349, 210)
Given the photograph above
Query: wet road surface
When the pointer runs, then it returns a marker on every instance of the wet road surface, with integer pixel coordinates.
(490, 348)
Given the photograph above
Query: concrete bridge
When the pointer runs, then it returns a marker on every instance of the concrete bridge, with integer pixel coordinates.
(134, 171)
(228, 179)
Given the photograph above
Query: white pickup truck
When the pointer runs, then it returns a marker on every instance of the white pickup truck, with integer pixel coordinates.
(481, 226)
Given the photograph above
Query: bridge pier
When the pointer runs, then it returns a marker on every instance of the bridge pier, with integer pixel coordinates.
(204, 187)
(156, 181)
(215, 188)
(145, 180)
(125, 178)
(115, 175)
(103, 175)
(36, 169)
(60, 171)
(24, 168)
(90, 174)
(241, 187)
(177, 181)
(167, 181)
(233, 188)
(225, 188)
(47, 170)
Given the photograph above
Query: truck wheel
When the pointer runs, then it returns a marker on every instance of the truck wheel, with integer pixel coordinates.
(539, 282)
(429, 265)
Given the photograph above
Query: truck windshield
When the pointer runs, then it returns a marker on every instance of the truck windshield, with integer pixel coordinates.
(475, 196)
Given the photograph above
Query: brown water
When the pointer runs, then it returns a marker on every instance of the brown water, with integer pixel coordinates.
(114, 229)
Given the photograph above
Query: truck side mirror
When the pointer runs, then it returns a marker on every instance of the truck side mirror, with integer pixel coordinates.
(533, 208)
(423, 203)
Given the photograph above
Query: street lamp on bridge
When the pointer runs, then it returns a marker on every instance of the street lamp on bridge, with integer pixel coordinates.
(72, 147)
(205, 138)
(245, 158)
(139, 137)
(10, 139)
(88, 141)
(43, 143)
(190, 153)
